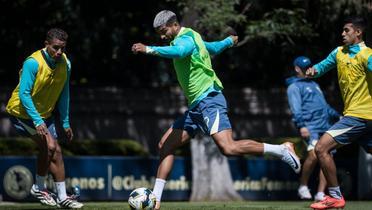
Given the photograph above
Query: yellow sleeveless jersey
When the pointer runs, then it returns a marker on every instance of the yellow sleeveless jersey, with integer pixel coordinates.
(47, 88)
(355, 82)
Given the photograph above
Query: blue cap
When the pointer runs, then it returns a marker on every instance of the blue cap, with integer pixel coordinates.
(302, 62)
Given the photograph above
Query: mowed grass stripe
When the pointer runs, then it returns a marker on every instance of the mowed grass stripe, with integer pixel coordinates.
(248, 205)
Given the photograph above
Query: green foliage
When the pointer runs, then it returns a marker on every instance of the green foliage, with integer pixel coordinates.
(212, 18)
(281, 25)
(17, 146)
(114, 147)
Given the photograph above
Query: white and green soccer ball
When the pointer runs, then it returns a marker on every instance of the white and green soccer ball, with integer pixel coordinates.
(141, 198)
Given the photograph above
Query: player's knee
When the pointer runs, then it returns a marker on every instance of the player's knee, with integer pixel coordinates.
(58, 150)
(312, 156)
(51, 149)
(319, 151)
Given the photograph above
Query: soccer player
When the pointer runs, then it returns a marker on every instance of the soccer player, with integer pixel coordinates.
(312, 115)
(43, 85)
(207, 109)
(354, 68)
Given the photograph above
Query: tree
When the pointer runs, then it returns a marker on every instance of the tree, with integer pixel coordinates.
(211, 174)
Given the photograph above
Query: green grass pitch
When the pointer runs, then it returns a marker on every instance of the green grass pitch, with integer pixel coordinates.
(247, 205)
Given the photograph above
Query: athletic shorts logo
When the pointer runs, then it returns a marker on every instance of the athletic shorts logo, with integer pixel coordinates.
(17, 182)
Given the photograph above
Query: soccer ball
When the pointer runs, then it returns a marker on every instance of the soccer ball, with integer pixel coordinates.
(141, 198)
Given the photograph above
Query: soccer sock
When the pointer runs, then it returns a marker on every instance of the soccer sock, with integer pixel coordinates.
(158, 188)
(272, 149)
(40, 182)
(335, 192)
(61, 190)
(303, 187)
(320, 194)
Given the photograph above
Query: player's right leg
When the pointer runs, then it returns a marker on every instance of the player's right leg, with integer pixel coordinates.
(46, 148)
(171, 140)
(229, 146)
(211, 116)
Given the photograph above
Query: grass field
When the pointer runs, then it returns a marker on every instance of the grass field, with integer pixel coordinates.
(248, 205)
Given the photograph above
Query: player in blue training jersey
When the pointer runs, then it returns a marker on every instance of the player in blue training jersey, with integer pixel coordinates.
(312, 116)
(207, 111)
(354, 68)
(43, 85)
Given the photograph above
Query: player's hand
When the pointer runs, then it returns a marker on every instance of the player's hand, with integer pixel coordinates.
(235, 39)
(139, 48)
(311, 72)
(304, 132)
(42, 130)
(69, 134)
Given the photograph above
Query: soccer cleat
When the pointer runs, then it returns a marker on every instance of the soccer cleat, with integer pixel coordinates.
(290, 157)
(329, 203)
(43, 196)
(69, 203)
(304, 193)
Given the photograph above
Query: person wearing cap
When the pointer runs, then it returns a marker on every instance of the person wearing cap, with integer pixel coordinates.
(353, 62)
(312, 116)
(207, 109)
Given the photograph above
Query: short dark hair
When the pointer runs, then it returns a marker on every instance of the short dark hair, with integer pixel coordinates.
(56, 33)
(172, 20)
(358, 21)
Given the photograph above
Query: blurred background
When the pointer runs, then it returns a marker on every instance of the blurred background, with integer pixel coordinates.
(122, 103)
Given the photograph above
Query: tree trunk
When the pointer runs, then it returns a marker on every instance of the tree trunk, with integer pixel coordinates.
(211, 175)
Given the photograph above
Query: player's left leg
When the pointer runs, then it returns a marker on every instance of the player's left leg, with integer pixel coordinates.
(174, 137)
(323, 151)
(57, 169)
(327, 164)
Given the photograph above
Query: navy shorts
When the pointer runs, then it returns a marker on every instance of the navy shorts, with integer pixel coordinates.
(352, 129)
(208, 116)
(26, 127)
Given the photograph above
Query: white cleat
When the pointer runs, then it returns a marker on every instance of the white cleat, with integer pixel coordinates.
(43, 196)
(290, 157)
(69, 203)
(304, 193)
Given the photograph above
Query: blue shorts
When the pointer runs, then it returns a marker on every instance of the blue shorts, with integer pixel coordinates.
(208, 116)
(26, 127)
(352, 129)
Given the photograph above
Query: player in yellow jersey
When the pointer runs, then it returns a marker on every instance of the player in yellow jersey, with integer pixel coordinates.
(43, 85)
(354, 68)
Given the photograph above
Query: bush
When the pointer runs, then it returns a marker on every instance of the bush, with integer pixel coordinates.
(112, 147)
